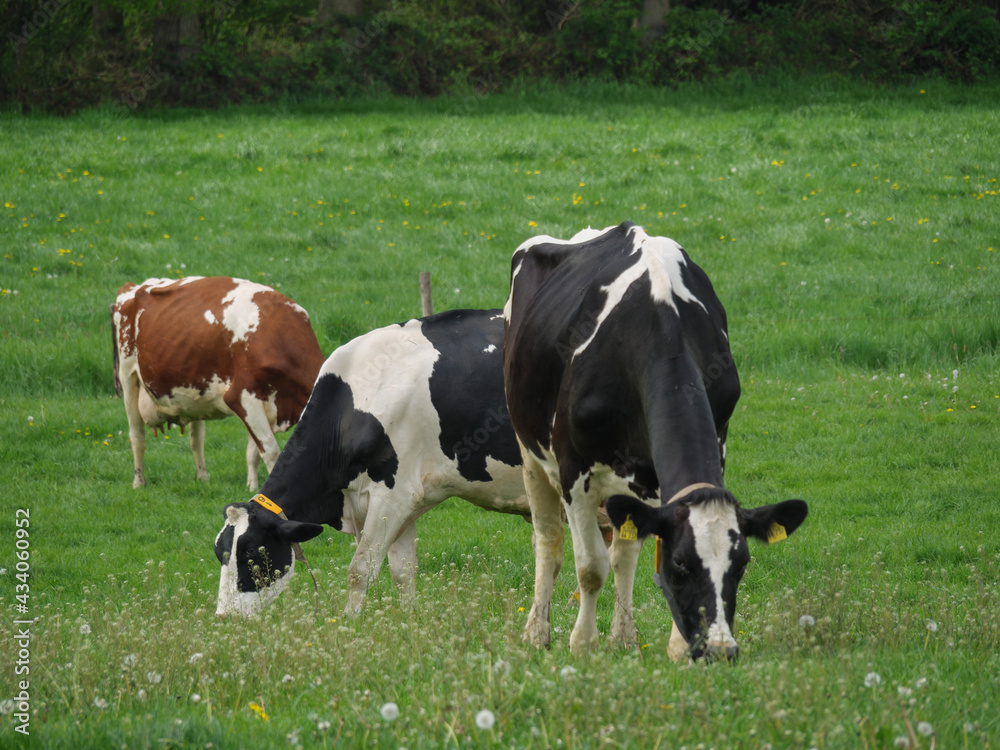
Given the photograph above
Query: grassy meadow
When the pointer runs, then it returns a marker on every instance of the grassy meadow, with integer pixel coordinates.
(853, 234)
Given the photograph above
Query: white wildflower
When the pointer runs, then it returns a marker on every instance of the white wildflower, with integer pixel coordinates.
(485, 719)
(389, 711)
(872, 679)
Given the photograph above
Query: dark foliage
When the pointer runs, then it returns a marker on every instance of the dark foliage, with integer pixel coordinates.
(52, 58)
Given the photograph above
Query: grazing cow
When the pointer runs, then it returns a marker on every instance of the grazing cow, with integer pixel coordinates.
(193, 349)
(401, 419)
(620, 385)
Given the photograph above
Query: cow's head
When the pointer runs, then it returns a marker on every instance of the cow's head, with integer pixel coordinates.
(255, 549)
(703, 555)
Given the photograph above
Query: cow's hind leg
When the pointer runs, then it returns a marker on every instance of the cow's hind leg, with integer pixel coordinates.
(546, 517)
(198, 449)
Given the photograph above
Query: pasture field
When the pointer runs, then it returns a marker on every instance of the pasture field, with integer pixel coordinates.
(853, 234)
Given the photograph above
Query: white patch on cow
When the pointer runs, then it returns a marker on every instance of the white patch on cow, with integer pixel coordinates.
(210, 318)
(240, 314)
(490, 349)
(664, 259)
(713, 524)
(185, 404)
(661, 259)
(298, 308)
(244, 603)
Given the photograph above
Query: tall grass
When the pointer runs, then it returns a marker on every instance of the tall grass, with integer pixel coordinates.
(852, 233)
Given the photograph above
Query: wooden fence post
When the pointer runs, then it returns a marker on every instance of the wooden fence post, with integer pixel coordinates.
(426, 304)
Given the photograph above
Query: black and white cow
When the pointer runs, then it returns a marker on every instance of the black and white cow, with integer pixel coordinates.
(620, 384)
(400, 419)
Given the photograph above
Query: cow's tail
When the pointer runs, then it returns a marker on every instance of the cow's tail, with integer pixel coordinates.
(114, 351)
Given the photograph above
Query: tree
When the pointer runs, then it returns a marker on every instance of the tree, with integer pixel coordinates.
(177, 33)
(109, 24)
(652, 19)
(330, 10)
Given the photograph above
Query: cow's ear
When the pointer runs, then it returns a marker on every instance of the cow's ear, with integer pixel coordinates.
(623, 509)
(298, 531)
(772, 523)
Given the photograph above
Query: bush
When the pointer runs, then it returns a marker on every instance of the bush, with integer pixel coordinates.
(274, 49)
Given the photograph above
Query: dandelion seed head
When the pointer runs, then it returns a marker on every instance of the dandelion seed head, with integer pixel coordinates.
(85, 629)
(389, 711)
(873, 679)
(485, 719)
(807, 621)
(925, 728)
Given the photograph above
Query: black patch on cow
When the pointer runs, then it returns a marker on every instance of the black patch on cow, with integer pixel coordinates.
(263, 556)
(649, 396)
(333, 444)
(466, 388)
(224, 544)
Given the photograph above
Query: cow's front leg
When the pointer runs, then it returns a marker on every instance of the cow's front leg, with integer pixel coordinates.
(198, 450)
(624, 560)
(389, 512)
(592, 565)
(253, 464)
(136, 428)
(547, 540)
(253, 414)
(403, 564)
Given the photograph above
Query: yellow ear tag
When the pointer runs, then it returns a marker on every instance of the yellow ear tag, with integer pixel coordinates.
(776, 533)
(265, 502)
(628, 531)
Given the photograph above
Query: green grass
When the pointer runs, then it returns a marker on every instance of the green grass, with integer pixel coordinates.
(867, 345)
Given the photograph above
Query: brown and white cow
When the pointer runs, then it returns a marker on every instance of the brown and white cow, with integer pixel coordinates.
(187, 350)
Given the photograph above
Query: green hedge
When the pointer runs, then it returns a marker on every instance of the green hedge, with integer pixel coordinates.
(51, 58)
